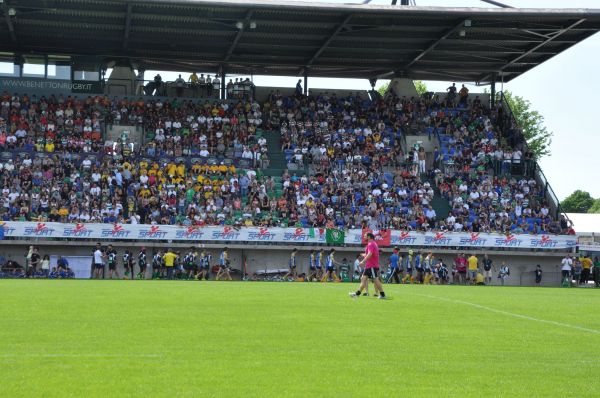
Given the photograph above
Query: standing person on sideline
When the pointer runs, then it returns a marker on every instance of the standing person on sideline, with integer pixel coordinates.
(597, 271)
(128, 263)
(205, 258)
(566, 265)
(371, 262)
(488, 269)
(46, 265)
(34, 262)
(473, 268)
(292, 265)
(312, 266)
(586, 264)
(142, 263)
(112, 262)
(577, 269)
(428, 266)
(504, 273)
(99, 257)
(419, 266)
(157, 261)
(169, 258)
(319, 263)
(189, 263)
(330, 267)
(538, 275)
(224, 265)
(409, 268)
(28, 260)
(396, 271)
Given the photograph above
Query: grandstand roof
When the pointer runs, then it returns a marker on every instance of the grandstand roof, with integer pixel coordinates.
(331, 40)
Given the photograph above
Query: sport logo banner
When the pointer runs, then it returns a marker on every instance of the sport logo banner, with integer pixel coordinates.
(383, 237)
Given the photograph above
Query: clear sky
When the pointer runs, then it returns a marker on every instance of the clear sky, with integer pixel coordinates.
(563, 89)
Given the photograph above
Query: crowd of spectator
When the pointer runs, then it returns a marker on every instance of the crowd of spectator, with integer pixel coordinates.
(359, 174)
(51, 124)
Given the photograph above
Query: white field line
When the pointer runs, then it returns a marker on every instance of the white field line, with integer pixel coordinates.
(527, 317)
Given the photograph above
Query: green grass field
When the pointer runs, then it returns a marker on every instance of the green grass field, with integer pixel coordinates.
(159, 338)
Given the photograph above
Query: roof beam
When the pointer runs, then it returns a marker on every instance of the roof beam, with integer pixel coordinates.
(238, 36)
(326, 43)
(127, 26)
(434, 45)
(531, 50)
(11, 27)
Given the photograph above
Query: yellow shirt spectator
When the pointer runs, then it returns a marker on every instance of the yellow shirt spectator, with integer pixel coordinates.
(49, 147)
(169, 258)
(472, 263)
(171, 169)
(586, 262)
(180, 170)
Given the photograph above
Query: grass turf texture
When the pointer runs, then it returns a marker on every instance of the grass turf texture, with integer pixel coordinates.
(159, 338)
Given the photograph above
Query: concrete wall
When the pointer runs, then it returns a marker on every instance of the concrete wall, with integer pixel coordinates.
(258, 257)
(403, 88)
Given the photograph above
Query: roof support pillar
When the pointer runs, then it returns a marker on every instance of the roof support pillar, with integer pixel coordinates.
(305, 81)
(222, 81)
(493, 91)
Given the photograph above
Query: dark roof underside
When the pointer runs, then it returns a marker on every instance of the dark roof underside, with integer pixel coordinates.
(331, 40)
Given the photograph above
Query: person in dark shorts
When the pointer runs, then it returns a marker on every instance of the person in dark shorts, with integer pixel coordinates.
(395, 267)
(128, 263)
(330, 268)
(99, 257)
(488, 269)
(312, 266)
(409, 267)
(142, 263)
(157, 265)
(538, 275)
(111, 255)
(292, 265)
(371, 262)
(34, 262)
(189, 263)
(205, 258)
(224, 265)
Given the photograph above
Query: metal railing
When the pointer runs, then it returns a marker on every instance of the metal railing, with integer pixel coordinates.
(511, 122)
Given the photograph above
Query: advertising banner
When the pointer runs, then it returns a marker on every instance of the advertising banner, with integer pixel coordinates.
(146, 232)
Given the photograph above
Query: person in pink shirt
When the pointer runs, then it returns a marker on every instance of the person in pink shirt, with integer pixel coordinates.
(371, 263)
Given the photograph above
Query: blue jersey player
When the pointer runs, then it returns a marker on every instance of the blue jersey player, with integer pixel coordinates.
(292, 265)
(330, 267)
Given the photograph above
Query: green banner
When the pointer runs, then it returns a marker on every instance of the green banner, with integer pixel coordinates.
(335, 236)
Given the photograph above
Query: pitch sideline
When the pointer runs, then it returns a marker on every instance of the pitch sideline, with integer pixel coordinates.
(527, 317)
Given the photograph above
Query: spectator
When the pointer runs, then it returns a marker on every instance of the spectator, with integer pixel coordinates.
(45, 264)
(504, 273)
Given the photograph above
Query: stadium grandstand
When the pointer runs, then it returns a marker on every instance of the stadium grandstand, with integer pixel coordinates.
(91, 148)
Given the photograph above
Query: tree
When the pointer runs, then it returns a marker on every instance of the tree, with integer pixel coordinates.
(383, 89)
(595, 207)
(532, 123)
(420, 86)
(578, 202)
